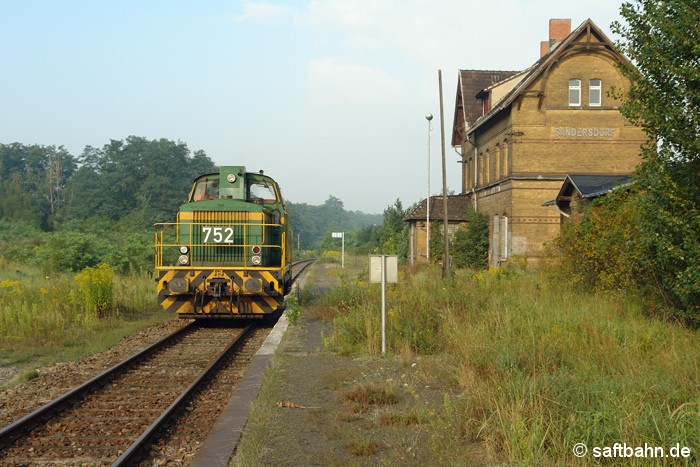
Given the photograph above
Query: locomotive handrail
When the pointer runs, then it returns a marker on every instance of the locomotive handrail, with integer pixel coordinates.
(160, 243)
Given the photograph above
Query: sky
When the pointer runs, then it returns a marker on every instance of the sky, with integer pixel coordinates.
(326, 96)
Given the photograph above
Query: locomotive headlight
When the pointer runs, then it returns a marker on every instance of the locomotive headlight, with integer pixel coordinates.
(183, 260)
(256, 260)
(184, 250)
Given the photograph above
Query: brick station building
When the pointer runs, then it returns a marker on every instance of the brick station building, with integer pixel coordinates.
(521, 133)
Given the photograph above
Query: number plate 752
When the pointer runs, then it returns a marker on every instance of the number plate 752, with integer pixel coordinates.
(218, 234)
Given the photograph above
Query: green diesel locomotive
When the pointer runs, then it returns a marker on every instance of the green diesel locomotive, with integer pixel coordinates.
(229, 252)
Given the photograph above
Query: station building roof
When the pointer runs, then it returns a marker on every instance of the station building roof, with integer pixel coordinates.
(457, 208)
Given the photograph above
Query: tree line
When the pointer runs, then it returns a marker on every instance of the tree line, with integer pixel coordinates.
(67, 212)
(47, 186)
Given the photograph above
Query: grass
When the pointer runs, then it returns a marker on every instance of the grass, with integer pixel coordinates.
(254, 444)
(364, 446)
(536, 367)
(359, 398)
(41, 322)
(413, 417)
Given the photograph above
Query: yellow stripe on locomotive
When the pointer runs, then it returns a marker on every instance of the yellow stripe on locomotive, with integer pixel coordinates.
(227, 254)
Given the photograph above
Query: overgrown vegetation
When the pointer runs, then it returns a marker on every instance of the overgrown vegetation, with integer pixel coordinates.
(536, 366)
(46, 311)
(65, 316)
(471, 242)
(647, 240)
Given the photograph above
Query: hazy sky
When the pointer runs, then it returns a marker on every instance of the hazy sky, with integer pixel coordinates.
(328, 97)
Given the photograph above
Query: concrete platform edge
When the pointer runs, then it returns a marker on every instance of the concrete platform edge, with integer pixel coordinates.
(220, 444)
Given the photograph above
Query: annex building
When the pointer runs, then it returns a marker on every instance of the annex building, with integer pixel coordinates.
(420, 218)
(521, 133)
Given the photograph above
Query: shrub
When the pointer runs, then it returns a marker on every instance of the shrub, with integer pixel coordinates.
(668, 236)
(471, 243)
(601, 252)
(293, 309)
(95, 293)
(643, 239)
(70, 251)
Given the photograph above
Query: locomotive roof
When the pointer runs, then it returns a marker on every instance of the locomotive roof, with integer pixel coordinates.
(219, 173)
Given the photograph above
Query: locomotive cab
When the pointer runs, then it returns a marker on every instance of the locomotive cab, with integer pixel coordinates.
(235, 184)
(230, 241)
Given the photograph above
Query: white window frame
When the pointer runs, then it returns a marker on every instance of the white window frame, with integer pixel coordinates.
(598, 87)
(575, 85)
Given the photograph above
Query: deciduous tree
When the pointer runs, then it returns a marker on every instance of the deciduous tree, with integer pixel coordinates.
(662, 39)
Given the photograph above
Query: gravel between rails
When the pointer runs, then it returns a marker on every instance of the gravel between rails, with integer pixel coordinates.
(103, 424)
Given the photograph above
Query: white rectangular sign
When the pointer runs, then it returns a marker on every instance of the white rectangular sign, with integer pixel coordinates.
(337, 234)
(392, 268)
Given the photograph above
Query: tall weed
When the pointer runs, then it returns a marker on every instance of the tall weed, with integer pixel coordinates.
(539, 366)
(95, 292)
(38, 310)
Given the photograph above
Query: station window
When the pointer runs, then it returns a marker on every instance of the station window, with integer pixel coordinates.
(595, 93)
(574, 92)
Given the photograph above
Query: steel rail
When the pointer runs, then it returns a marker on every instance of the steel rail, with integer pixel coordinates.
(131, 455)
(308, 262)
(23, 425)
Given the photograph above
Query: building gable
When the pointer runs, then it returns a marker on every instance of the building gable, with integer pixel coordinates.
(469, 107)
(586, 39)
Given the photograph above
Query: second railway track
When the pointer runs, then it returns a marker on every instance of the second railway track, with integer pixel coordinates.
(114, 421)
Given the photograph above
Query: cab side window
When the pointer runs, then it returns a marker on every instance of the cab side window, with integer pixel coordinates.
(261, 190)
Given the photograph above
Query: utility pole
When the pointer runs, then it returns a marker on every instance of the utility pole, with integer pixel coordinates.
(446, 254)
(428, 117)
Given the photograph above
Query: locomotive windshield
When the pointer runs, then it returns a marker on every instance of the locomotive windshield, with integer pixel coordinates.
(206, 189)
(261, 190)
(258, 189)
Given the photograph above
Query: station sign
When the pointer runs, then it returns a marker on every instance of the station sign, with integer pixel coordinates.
(392, 268)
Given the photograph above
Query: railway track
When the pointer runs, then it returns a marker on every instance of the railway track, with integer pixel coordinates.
(299, 267)
(114, 418)
(130, 411)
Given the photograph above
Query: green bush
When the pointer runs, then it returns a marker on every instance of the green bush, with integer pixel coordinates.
(668, 237)
(293, 309)
(471, 242)
(601, 252)
(70, 251)
(644, 240)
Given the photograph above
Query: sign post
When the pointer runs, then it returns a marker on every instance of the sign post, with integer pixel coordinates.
(383, 269)
(342, 248)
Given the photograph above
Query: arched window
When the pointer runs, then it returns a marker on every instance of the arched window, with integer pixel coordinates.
(487, 167)
(501, 161)
(574, 93)
(595, 88)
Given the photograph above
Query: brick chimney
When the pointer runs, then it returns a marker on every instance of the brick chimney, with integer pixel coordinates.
(558, 30)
